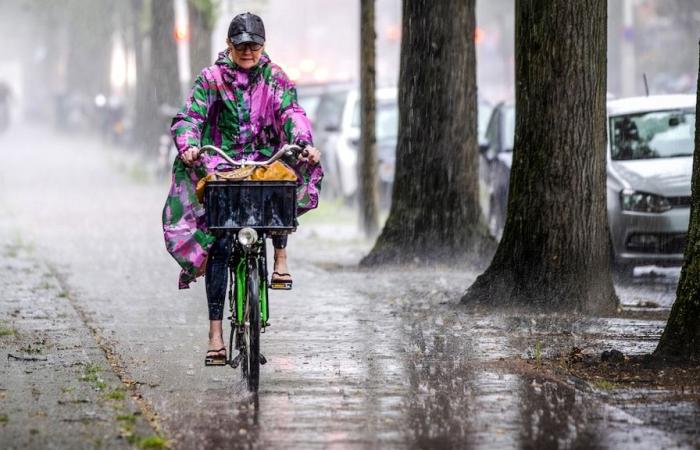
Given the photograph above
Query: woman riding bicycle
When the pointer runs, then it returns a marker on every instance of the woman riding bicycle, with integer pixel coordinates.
(247, 106)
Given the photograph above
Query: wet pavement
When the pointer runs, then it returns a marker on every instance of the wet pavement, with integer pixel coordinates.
(57, 389)
(357, 358)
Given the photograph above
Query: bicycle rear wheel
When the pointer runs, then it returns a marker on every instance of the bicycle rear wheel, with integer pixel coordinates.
(253, 329)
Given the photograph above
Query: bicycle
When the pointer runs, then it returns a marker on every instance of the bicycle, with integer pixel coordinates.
(249, 212)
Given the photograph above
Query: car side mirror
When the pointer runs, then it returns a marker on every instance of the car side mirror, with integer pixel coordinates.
(483, 148)
(674, 121)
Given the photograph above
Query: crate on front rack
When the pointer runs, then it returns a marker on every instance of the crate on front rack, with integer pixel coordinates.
(267, 205)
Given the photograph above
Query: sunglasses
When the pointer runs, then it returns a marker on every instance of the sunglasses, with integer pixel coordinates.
(247, 45)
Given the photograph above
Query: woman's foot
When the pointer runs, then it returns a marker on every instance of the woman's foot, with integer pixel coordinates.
(281, 271)
(280, 279)
(216, 345)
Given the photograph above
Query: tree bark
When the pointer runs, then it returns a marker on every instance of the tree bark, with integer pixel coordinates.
(369, 190)
(166, 85)
(681, 337)
(435, 213)
(145, 110)
(157, 71)
(554, 250)
(201, 14)
(89, 47)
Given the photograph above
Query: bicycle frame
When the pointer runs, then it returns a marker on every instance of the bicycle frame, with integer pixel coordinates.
(239, 262)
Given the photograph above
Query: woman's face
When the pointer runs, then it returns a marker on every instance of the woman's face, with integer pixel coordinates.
(245, 55)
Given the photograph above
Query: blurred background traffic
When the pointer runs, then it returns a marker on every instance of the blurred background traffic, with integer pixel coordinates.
(122, 69)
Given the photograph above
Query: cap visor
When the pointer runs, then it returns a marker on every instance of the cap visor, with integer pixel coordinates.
(247, 37)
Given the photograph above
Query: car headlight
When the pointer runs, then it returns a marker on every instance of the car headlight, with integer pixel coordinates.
(247, 236)
(643, 202)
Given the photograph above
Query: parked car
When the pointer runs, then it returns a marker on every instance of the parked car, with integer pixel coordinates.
(649, 167)
(309, 96)
(495, 162)
(337, 132)
(650, 164)
(338, 135)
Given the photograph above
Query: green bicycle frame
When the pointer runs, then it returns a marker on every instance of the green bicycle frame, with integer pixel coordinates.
(241, 271)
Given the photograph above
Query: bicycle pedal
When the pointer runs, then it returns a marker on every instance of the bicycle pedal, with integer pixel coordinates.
(235, 362)
(281, 285)
(263, 360)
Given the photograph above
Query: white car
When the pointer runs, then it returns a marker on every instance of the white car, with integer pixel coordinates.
(338, 136)
(649, 167)
(650, 164)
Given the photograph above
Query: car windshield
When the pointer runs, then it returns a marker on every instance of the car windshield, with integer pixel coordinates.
(329, 111)
(650, 135)
(309, 104)
(387, 121)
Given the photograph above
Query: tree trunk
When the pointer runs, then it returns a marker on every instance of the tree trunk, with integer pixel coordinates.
(166, 84)
(435, 212)
(157, 74)
(201, 14)
(145, 110)
(554, 250)
(369, 192)
(89, 47)
(681, 337)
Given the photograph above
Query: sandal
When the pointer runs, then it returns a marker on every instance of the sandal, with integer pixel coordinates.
(215, 359)
(281, 284)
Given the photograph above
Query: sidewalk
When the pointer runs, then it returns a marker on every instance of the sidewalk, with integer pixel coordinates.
(57, 388)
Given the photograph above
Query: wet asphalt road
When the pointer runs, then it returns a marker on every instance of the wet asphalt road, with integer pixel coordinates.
(357, 359)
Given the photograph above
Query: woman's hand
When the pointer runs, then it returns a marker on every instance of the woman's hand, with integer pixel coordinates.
(313, 155)
(190, 155)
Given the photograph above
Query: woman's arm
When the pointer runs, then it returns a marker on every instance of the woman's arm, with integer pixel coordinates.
(292, 124)
(187, 125)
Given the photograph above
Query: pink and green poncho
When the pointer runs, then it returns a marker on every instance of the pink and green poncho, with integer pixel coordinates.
(247, 113)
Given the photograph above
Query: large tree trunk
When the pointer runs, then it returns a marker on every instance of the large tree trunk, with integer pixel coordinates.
(681, 338)
(157, 71)
(145, 110)
(89, 47)
(369, 192)
(435, 212)
(166, 84)
(554, 250)
(201, 14)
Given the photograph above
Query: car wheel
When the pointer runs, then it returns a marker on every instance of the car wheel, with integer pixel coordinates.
(621, 271)
(495, 221)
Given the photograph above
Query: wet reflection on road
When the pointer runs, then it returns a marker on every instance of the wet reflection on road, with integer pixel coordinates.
(357, 359)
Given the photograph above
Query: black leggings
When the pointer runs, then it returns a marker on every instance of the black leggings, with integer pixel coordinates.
(216, 275)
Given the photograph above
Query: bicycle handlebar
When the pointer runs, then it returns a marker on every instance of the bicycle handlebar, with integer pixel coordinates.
(285, 150)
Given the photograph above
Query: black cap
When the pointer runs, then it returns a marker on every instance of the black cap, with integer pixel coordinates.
(246, 27)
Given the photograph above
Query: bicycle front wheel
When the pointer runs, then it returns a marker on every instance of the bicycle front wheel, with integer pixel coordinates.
(253, 335)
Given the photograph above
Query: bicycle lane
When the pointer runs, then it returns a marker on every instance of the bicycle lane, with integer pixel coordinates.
(357, 358)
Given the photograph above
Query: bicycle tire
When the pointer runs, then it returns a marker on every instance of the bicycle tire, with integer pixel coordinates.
(253, 350)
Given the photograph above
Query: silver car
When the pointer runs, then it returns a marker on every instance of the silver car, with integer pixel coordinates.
(650, 163)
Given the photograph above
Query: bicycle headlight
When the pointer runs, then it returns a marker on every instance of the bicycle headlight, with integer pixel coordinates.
(247, 236)
(643, 202)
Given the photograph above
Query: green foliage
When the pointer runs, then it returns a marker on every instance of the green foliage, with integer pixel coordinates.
(7, 331)
(208, 9)
(604, 385)
(128, 418)
(116, 394)
(148, 442)
(537, 352)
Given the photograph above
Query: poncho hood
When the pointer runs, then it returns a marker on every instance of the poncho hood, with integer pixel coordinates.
(233, 72)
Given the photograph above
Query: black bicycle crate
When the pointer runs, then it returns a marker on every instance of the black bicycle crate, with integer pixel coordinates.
(232, 205)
